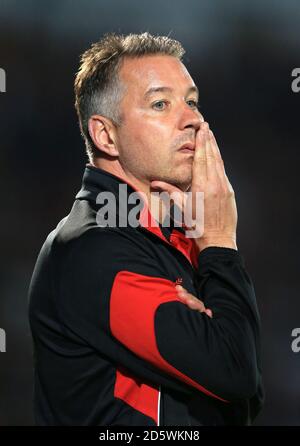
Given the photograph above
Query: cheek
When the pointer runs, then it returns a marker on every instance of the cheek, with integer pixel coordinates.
(155, 136)
(146, 138)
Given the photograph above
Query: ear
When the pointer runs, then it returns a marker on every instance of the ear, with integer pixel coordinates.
(103, 134)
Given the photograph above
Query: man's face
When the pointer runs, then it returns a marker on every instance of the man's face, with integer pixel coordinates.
(157, 123)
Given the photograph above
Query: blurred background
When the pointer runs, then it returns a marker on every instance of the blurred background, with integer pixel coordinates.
(241, 55)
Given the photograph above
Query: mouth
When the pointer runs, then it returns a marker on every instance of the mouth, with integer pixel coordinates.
(187, 148)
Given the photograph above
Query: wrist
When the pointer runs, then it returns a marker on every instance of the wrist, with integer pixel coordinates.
(219, 242)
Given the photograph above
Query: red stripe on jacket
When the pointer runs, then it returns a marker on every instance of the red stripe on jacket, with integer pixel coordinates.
(142, 397)
(133, 303)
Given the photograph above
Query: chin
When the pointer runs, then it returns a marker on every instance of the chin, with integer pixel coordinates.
(184, 180)
(183, 184)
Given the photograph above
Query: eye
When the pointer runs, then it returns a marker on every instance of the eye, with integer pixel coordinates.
(195, 104)
(159, 105)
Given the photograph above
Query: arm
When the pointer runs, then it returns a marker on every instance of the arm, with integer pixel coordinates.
(216, 356)
(225, 287)
(129, 311)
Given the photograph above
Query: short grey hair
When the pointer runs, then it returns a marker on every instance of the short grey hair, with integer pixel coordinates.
(97, 86)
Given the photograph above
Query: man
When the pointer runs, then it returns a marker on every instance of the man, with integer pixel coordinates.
(140, 324)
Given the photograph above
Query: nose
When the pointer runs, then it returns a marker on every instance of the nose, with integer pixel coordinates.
(190, 118)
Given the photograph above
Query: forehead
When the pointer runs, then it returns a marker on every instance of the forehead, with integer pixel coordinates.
(139, 74)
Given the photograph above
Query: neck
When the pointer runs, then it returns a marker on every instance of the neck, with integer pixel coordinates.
(155, 204)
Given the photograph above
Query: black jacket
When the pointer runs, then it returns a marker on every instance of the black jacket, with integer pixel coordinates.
(114, 345)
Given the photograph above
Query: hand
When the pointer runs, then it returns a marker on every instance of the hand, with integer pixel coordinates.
(191, 301)
(209, 177)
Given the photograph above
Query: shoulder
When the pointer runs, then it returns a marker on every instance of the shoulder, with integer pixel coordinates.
(107, 251)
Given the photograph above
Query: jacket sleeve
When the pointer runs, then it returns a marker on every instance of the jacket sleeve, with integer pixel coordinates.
(116, 296)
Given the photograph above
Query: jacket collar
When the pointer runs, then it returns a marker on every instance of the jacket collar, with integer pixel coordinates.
(96, 180)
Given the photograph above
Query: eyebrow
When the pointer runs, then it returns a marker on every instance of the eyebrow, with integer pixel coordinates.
(153, 90)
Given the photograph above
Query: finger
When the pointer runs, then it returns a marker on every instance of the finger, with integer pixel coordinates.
(194, 305)
(199, 163)
(219, 163)
(183, 292)
(216, 149)
(211, 164)
(180, 289)
(190, 300)
(199, 306)
(209, 312)
(230, 188)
